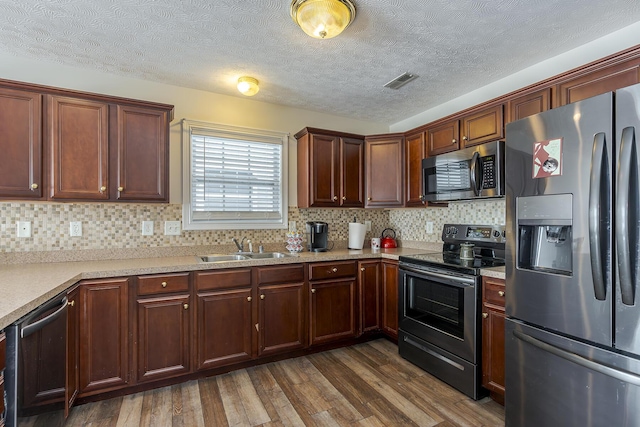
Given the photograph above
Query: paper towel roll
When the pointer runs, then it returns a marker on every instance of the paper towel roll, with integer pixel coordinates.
(357, 232)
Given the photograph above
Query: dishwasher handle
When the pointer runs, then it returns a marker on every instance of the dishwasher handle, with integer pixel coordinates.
(28, 328)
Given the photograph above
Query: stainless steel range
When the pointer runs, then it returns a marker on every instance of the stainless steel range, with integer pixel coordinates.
(439, 304)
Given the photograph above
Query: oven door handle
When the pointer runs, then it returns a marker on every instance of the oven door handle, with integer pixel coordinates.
(457, 281)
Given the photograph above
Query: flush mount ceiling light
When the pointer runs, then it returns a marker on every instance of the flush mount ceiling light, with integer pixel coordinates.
(248, 86)
(323, 19)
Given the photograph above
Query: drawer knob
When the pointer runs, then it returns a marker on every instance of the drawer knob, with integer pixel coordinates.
(164, 284)
(34, 186)
(249, 299)
(262, 296)
(485, 315)
(501, 293)
(121, 189)
(71, 303)
(334, 269)
(186, 306)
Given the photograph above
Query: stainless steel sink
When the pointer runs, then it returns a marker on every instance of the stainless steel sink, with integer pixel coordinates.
(223, 258)
(243, 256)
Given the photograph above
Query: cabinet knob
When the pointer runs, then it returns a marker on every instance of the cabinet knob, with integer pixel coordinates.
(335, 198)
(313, 291)
(334, 269)
(120, 189)
(361, 268)
(249, 299)
(344, 197)
(464, 138)
(453, 141)
(501, 293)
(485, 315)
(369, 198)
(71, 303)
(34, 186)
(164, 284)
(262, 296)
(103, 189)
(421, 197)
(186, 306)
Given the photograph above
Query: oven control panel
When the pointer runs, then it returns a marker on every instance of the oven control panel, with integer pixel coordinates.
(473, 233)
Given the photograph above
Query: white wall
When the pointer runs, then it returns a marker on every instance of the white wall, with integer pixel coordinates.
(189, 103)
(599, 48)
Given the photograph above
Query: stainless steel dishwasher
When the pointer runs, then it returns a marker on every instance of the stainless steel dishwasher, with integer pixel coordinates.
(36, 361)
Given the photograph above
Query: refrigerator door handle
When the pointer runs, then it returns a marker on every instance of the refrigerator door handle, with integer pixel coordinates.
(472, 171)
(599, 167)
(627, 145)
(582, 361)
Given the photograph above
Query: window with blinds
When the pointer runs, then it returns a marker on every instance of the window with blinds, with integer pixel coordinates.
(236, 177)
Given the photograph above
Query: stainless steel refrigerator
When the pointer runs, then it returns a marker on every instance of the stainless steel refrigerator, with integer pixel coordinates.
(573, 265)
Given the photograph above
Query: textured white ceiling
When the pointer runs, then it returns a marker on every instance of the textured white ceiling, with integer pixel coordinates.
(455, 46)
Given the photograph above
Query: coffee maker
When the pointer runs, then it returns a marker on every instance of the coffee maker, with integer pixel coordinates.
(317, 236)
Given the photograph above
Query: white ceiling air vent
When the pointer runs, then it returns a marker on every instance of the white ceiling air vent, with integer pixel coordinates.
(401, 80)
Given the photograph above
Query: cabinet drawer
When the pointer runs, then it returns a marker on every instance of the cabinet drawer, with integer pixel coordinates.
(222, 279)
(280, 274)
(332, 270)
(163, 284)
(493, 291)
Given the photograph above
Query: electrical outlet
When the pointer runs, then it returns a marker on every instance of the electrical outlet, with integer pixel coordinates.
(75, 229)
(147, 228)
(24, 228)
(292, 226)
(429, 227)
(172, 228)
(368, 225)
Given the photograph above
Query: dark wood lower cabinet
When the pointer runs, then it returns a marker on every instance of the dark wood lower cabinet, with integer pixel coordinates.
(163, 337)
(223, 327)
(103, 335)
(390, 298)
(493, 321)
(281, 322)
(332, 310)
(369, 295)
(72, 385)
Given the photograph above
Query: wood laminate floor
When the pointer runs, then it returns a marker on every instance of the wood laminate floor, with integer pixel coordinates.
(365, 385)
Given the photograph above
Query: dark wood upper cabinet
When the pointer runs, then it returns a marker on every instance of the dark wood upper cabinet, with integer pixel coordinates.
(529, 104)
(79, 147)
(330, 169)
(598, 82)
(443, 138)
(483, 126)
(21, 136)
(384, 171)
(142, 154)
(415, 150)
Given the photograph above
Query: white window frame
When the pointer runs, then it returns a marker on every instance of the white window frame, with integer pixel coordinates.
(247, 134)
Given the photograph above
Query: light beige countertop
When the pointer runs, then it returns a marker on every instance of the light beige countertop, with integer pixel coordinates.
(24, 287)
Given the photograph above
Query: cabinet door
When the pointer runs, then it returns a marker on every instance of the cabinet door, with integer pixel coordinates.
(142, 155)
(369, 295)
(598, 82)
(281, 325)
(325, 171)
(223, 327)
(163, 337)
(443, 138)
(493, 350)
(529, 104)
(332, 310)
(483, 126)
(384, 172)
(415, 151)
(21, 142)
(73, 319)
(351, 176)
(390, 298)
(104, 335)
(79, 147)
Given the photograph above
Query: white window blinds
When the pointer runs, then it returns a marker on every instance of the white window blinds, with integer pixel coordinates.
(236, 177)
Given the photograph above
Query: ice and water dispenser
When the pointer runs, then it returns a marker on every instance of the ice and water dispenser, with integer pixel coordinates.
(545, 233)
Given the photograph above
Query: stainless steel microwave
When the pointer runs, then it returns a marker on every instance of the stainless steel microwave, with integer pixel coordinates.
(472, 173)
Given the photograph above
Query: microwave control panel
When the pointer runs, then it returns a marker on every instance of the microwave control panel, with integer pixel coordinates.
(488, 172)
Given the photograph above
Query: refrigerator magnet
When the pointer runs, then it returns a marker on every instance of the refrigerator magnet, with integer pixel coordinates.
(547, 158)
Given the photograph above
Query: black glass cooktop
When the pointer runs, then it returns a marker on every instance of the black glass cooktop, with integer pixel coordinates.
(452, 261)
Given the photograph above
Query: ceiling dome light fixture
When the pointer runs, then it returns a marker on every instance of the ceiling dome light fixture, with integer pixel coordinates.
(323, 19)
(248, 86)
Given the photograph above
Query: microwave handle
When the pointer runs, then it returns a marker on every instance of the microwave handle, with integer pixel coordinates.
(474, 167)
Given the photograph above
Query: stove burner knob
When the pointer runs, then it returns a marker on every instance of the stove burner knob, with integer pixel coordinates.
(447, 230)
(454, 230)
(504, 234)
(496, 234)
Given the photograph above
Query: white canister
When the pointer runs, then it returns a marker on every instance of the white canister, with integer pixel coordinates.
(375, 243)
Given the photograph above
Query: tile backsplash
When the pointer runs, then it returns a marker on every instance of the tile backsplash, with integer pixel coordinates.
(116, 227)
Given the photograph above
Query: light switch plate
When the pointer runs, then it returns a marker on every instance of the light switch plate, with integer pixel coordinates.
(147, 228)
(429, 227)
(75, 229)
(368, 225)
(292, 226)
(24, 228)
(172, 228)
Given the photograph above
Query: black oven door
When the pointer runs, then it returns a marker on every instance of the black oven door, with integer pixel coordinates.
(440, 308)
